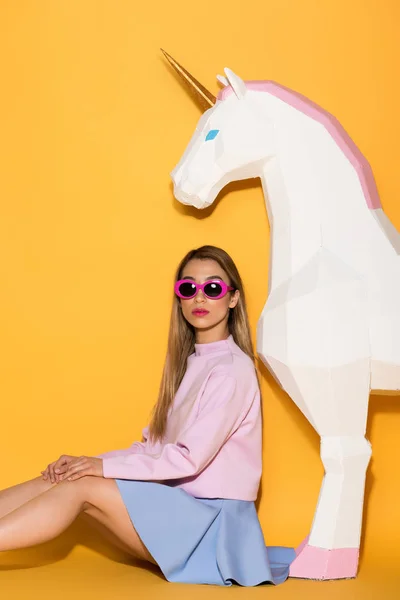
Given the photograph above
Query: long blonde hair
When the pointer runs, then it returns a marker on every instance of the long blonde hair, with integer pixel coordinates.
(181, 338)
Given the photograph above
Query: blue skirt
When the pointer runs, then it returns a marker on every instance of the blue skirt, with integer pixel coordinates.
(198, 540)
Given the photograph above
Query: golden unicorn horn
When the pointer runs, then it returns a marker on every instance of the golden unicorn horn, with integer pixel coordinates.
(205, 97)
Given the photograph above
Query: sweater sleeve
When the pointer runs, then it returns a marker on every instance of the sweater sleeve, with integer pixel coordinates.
(222, 409)
(135, 448)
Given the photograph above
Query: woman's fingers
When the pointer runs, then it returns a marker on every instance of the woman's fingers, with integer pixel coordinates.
(62, 463)
(45, 473)
(55, 469)
(85, 465)
(81, 473)
(51, 472)
(75, 467)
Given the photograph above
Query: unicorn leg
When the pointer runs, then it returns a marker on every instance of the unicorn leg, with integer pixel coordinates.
(335, 401)
(331, 551)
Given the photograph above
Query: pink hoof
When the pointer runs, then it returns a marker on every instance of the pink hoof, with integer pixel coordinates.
(319, 563)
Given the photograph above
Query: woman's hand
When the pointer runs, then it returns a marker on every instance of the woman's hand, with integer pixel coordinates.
(82, 466)
(54, 469)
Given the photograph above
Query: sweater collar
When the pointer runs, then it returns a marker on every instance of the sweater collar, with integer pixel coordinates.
(212, 347)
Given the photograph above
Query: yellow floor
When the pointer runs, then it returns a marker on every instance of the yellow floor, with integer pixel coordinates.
(92, 569)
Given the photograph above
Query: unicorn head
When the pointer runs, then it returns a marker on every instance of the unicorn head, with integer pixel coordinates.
(232, 141)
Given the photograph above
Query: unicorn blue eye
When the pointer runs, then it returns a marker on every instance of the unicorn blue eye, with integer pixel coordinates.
(212, 134)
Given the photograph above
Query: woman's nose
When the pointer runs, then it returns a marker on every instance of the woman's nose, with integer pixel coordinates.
(200, 296)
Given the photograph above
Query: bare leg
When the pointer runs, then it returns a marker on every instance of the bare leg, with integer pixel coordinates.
(107, 534)
(47, 515)
(40, 519)
(15, 496)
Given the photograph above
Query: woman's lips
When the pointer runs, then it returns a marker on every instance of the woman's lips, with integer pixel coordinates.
(200, 313)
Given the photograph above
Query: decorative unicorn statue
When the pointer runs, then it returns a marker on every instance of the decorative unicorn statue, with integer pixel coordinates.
(330, 329)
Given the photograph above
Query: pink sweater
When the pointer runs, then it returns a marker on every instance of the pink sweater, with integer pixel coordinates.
(212, 446)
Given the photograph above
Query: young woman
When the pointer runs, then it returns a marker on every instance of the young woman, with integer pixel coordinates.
(183, 497)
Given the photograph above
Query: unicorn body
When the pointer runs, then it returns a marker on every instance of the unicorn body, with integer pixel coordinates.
(330, 329)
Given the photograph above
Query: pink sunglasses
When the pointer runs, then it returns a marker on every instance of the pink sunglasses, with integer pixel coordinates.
(214, 289)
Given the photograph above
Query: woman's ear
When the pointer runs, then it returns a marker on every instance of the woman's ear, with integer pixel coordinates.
(234, 299)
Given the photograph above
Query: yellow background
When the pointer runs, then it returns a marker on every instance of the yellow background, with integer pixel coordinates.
(92, 120)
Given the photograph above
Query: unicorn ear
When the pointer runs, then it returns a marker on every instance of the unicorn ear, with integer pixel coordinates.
(223, 80)
(236, 83)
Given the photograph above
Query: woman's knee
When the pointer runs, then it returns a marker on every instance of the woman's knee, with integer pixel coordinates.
(79, 490)
(92, 491)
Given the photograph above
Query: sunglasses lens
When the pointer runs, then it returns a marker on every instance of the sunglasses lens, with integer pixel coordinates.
(187, 289)
(213, 290)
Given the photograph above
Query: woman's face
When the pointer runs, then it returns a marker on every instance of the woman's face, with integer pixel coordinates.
(217, 311)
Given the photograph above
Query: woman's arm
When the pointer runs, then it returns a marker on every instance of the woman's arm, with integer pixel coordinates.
(135, 448)
(224, 405)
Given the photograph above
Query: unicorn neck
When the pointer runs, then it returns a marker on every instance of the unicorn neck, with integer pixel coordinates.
(294, 223)
(305, 220)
